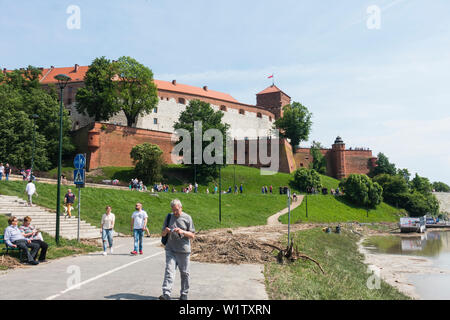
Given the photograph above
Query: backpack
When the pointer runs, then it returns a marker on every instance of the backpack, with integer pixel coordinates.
(166, 224)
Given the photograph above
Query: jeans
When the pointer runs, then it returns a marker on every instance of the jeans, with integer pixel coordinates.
(107, 234)
(1, 175)
(138, 233)
(24, 245)
(7, 176)
(43, 246)
(174, 260)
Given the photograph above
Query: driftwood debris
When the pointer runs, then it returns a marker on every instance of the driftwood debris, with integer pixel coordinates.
(292, 254)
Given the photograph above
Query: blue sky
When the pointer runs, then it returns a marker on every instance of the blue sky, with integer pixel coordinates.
(386, 89)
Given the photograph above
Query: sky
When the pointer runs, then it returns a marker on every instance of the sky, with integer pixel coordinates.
(376, 72)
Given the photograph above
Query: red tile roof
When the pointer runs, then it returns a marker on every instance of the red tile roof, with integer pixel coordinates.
(271, 89)
(48, 75)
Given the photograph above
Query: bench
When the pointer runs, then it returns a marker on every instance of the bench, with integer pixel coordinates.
(8, 248)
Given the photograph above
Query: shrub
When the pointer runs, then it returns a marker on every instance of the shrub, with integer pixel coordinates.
(148, 162)
(305, 178)
(361, 190)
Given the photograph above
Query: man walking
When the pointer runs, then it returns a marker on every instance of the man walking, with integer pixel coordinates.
(138, 226)
(14, 238)
(180, 230)
(69, 199)
(7, 171)
(30, 190)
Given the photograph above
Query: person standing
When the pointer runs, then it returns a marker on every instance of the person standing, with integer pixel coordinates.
(15, 239)
(7, 171)
(69, 199)
(241, 188)
(196, 187)
(30, 190)
(138, 226)
(108, 221)
(180, 230)
(215, 189)
(33, 234)
(2, 171)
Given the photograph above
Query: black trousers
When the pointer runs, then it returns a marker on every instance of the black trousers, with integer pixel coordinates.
(43, 246)
(24, 245)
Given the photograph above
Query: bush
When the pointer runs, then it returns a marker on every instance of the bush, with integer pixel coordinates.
(392, 187)
(304, 179)
(148, 162)
(418, 204)
(441, 187)
(361, 190)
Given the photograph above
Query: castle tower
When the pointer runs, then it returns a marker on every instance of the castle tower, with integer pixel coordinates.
(273, 100)
(338, 155)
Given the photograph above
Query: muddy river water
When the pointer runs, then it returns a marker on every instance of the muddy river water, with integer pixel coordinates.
(433, 245)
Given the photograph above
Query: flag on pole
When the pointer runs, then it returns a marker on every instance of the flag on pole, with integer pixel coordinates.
(270, 77)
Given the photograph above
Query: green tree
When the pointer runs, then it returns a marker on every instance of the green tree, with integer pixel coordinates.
(136, 93)
(421, 184)
(295, 123)
(97, 97)
(383, 166)
(441, 187)
(202, 111)
(319, 162)
(306, 178)
(361, 190)
(392, 186)
(148, 162)
(404, 173)
(418, 204)
(21, 96)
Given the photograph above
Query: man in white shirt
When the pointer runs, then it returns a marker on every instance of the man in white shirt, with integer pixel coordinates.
(30, 190)
(138, 226)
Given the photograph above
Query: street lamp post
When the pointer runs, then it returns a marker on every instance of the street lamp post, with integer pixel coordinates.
(34, 117)
(62, 82)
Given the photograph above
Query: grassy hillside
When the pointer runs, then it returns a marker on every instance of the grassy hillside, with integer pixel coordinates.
(335, 209)
(346, 274)
(237, 210)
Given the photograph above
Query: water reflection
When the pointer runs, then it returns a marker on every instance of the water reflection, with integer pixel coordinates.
(430, 244)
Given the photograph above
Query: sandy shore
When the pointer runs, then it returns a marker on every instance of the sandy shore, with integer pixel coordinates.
(395, 269)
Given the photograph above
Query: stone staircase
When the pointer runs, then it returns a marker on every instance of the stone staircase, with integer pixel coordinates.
(46, 220)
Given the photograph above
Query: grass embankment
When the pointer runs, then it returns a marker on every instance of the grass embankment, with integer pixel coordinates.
(64, 249)
(346, 274)
(328, 208)
(237, 210)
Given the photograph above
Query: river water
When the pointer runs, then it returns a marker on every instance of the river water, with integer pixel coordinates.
(434, 245)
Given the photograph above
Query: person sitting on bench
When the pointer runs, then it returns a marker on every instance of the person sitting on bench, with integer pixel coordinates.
(31, 233)
(14, 238)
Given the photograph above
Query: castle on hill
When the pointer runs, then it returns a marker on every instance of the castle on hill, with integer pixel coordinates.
(109, 143)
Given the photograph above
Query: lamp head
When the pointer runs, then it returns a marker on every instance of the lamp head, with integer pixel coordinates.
(62, 80)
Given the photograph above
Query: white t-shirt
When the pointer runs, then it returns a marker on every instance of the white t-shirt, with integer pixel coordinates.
(108, 220)
(2, 169)
(31, 189)
(139, 219)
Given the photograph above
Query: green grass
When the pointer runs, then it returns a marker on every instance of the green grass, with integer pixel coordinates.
(237, 210)
(335, 209)
(64, 249)
(346, 274)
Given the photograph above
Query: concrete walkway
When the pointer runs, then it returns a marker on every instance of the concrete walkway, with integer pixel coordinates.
(273, 220)
(121, 276)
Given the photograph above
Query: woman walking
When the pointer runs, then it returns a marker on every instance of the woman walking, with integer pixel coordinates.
(108, 220)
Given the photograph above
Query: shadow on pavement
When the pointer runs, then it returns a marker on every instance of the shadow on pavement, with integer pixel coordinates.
(130, 296)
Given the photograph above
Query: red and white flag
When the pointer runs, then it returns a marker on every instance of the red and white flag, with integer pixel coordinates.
(269, 77)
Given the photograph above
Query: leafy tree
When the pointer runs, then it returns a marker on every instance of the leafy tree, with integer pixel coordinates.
(361, 190)
(319, 162)
(421, 184)
(383, 166)
(97, 97)
(418, 204)
(441, 187)
(21, 96)
(404, 173)
(295, 123)
(305, 178)
(201, 111)
(148, 162)
(136, 94)
(392, 187)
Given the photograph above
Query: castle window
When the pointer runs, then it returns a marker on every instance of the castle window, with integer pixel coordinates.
(155, 110)
(259, 115)
(69, 101)
(162, 98)
(270, 119)
(155, 120)
(241, 111)
(223, 108)
(181, 100)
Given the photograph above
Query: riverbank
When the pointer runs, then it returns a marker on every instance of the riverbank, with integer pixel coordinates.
(397, 269)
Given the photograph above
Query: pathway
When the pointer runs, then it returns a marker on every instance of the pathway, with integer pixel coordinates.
(273, 220)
